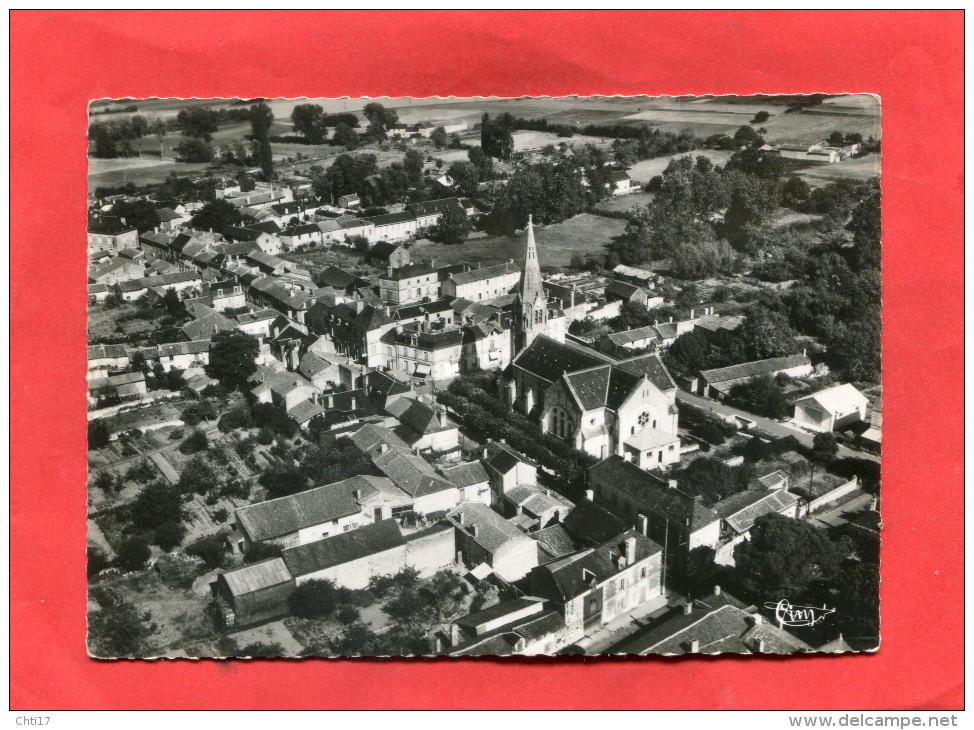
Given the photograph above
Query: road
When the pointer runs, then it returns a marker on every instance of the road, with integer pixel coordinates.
(766, 424)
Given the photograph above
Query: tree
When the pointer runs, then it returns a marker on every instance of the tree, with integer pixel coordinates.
(496, 139)
(217, 215)
(212, 550)
(308, 120)
(745, 136)
(169, 535)
(194, 150)
(413, 165)
(313, 599)
(465, 177)
(784, 557)
(381, 120)
(197, 476)
(138, 213)
(761, 395)
(761, 116)
(158, 503)
(98, 434)
(195, 442)
(97, 560)
(439, 138)
(133, 553)
(344, 136)
(197, 121)
(261, 649)
(119, 630)
(482, 161)
(174, 305)
(795, 192)
(824, 450)
(453, 227)
(282, 481)
(764, 333)
(261, 118)
(233, 358)
(247, 183)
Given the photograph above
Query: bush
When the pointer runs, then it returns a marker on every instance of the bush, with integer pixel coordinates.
(211, 550)
(313, 599)
(141, 471)
(176, 434)
(97, 560)
(195, 442)
(98, 434)
(239, 417)
(177, 570)
(158, 503)
(348, 615)
(169, 535)
(133, 553)
(197, 477)
(221, 515)
(265, 437)
(197, 413)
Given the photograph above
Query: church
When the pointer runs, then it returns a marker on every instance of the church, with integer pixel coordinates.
(600, 405)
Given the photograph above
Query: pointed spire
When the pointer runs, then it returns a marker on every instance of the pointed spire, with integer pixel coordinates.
(531, 287)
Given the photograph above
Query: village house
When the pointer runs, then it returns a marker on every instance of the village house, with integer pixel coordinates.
(484, 537)
(431, 355)
(252, 594)
(349, 201)
(107, 358)
(471, 479)
(483, 283)
(110, 234)
(524, 626)
(620, 183)
(123, 386)
(390, 255)
(317, 513)
(424, 427)
(598, 585)
(411, 283)
(739, 512)
(284, 389)
(115, 270)
(392, 456)
(662, 511)
(356, 328)
(485, 346)
(302, 235)
(623, 291)
(268, 243)
(716, 624)
(717, 383)
(831, 409)
(185, 283)
(508, 469)
(321, 370)
(179, 355)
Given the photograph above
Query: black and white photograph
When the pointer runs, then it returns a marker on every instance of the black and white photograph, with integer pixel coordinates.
(452, 377)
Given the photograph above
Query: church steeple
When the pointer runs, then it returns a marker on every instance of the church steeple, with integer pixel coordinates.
(531, 286)
(533, 301)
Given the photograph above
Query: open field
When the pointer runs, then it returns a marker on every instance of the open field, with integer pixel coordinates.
(622, 203)
(144, 171)
(584, 234)
(860, 168)
(645, 170)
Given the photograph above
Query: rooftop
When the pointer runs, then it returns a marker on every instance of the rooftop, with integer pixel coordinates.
(343, 548)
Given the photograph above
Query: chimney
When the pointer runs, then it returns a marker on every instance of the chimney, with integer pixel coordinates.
(590, 495)
(761, 648)
(688, 609)
(485, 455)
(389, 271)
(383, 447)
(630, 550)
(671, 319)
(331, 401)
(804, 352)
(432, 263)
(643, 524)
(692, 312)
(460, 517)
(671, 483)
(758, 619)
(473, 531)
(441, 415)
(454, 634)
(354, 403)
(716, 590)
(358, 495)
(694, 646)
(388, 310)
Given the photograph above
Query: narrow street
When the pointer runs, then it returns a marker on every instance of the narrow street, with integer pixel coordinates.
(766, 424)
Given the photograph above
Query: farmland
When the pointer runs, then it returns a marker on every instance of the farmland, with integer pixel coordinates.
(582, 235)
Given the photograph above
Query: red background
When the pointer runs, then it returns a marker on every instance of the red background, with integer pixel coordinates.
(913, 60)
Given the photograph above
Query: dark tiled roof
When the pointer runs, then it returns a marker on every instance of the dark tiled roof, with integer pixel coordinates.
(592, 524)
(548, 359)
(555, 541)
(277, 517)
(466, 475)
(652, 367)
(419, 416)
(343, 548)
(486, 272)
(255, 577)
(391, 218)
(621, 289)
(409, 271)
(753, 369)
(741, 510)
(653, 493)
